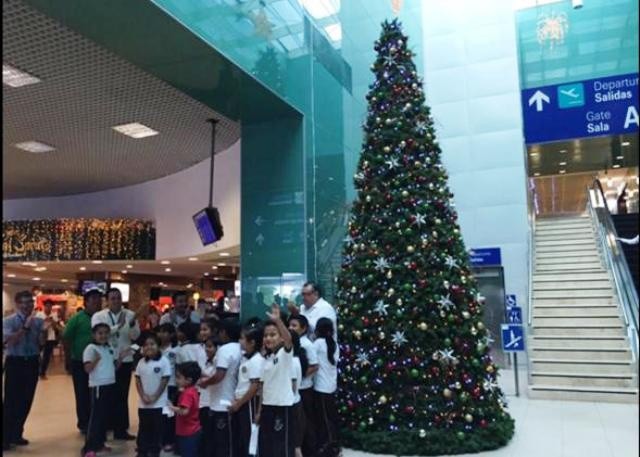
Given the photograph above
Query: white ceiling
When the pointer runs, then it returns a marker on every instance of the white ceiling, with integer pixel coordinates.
(85, 91)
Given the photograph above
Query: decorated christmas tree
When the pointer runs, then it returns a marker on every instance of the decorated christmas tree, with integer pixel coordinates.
(416, 377)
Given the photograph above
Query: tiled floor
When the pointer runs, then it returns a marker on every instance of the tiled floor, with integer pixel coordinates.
(543, 428)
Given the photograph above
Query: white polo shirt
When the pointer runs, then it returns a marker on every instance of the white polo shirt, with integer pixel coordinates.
(171, 353)
(104, 373)
(222, 394)
(296, 376)
(250, 370)
(174, 318)
(120, 338)
(326, 378)
(49, 328)
(320, 309)
(151, 373)
(192, 352)
(312, 356)
(205, 392)
(276, 379)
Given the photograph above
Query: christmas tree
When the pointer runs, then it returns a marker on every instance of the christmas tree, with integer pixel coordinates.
(416, 377)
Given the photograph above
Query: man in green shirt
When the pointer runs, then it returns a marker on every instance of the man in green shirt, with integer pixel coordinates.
(78, 334)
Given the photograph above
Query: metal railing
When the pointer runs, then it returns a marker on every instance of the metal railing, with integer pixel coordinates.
(531, 250)
(615, 261)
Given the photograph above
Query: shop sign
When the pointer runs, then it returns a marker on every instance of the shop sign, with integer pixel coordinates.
(78, 239)
(589, 108)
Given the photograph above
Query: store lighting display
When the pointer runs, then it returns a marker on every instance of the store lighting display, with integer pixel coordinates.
(135, 130)
(552, 29)
(35, 147)
(13, 77)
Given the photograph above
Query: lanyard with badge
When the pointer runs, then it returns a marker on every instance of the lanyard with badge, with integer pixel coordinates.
(113, 323)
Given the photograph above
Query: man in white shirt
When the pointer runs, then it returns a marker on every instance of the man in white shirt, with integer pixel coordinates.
(314, 308)
(52, 325)
(124, 329)
(180, 312)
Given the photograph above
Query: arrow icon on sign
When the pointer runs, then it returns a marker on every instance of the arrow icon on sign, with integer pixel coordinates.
(259, 221)
(260, 239)
(513, 339)
(539, 98)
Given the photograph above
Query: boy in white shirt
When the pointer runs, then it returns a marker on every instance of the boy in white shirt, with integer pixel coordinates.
(223, 385)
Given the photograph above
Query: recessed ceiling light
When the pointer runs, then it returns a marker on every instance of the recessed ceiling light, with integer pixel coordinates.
(534, 154)
(135, 130)
(165, 262)
(124, 272)
(536, 174)
(214, 267)
(129, 266)
(36, 279)
(40, 269)
(616, 166)
(193, 259)
(562, 151)
(29, 264)
(189, 286)
(96, 262)
(224, 254)
(16, 78)
(64, 280)
(167, 270)
(562, 164)
(83, 268)
(222, 264)
(206, 273)
(562, 172)
(11, 275)
(625, 143)
(620, 157)
(35, 147)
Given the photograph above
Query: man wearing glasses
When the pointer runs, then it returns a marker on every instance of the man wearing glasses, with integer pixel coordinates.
(315, 307)
(23, 335)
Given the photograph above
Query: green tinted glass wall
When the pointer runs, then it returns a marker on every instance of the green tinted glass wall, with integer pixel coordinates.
(600, 39)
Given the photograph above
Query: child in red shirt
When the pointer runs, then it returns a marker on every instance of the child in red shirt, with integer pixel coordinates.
(188, 428)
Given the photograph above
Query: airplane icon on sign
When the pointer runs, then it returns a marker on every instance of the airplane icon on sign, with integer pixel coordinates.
(571, 93)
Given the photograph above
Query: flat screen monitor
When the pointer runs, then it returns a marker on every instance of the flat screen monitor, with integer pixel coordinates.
(123, 287)
(86, 286)
(208, 224)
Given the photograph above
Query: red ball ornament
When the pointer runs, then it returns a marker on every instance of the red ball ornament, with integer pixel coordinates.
(422, 283)
(476, 392)
(409, 410)
(390, 367)
(483, 423)
(365, 321)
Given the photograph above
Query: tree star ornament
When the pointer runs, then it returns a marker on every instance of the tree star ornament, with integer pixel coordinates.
(381, 308)
(450, 262)
(445, 303)
(381, 264)
(398, 339)
(446, 357)
(392, 163)
(420, 220)
(362, 358)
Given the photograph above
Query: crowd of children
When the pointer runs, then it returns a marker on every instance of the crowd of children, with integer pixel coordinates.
(217, 389)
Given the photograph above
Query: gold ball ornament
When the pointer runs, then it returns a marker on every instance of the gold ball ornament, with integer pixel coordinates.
(490, 369)
(411, 249)
(382, 400)
(423, 326)
(468, 417)
(458, 385)
(390, 292)
(399, 302)
(389, 274)
(422, 433)
(474, 331)
(386, 149)
(381, 335)
(466, 315)
(447, 393)
(405, 193)
(480, 326)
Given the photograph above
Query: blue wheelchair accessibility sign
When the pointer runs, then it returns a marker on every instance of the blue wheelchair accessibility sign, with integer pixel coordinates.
(514, 315)
(512, 338)
(511, 300)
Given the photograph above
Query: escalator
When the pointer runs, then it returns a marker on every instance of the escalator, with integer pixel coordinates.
(626, 226)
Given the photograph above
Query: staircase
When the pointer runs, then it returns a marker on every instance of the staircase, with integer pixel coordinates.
(578, 347)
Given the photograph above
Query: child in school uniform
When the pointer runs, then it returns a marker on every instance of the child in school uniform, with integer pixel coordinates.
(191, 349)
(325, 385)
(100, 363)
(299, 324)
(188, 428)
(167, 335)
(152, 378)
(208, 370)
(222, 386)
(245, 407)
(276, 437)
(300, 364)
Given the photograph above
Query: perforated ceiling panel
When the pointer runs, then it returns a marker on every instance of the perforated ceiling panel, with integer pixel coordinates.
(84, 91)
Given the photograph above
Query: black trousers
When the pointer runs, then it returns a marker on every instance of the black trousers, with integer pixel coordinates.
(221, 434)
(149, 431)
(82, 394)
(241, 423)
(205, 443)
(101, 399)
(119, 417)
(47, 351)
(309, 433)
(20, 381)
(169, 427)
(326, 422)
(276, 432)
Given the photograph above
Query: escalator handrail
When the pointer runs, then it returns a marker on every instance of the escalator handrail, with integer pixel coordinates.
(616, 261)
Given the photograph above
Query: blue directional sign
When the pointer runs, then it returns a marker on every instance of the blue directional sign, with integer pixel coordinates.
(512, 338)
(514, 315)
(510, 300)
(484, 257)
(594, 107)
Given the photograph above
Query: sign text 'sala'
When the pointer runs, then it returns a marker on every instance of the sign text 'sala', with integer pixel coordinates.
(593, 107)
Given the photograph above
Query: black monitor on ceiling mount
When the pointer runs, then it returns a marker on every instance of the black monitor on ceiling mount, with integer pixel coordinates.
(208, 224)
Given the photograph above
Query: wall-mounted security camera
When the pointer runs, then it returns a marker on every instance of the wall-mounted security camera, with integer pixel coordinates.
(577, 4)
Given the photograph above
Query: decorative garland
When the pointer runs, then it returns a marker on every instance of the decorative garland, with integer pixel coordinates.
(78, 239)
